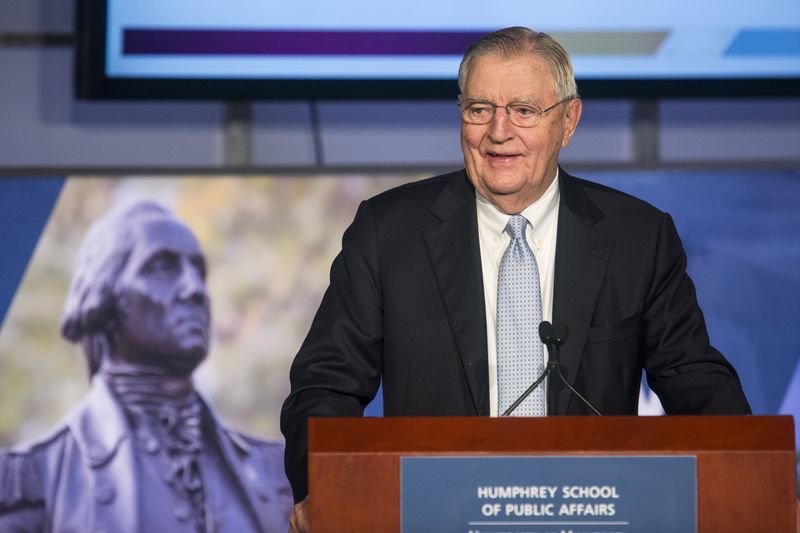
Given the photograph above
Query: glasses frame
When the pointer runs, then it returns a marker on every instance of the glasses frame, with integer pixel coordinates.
(542, 112)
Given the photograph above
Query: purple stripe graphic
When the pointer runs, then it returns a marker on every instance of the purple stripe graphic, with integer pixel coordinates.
(143, 41)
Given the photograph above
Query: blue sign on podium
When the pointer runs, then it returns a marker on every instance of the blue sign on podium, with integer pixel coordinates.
(553, 494)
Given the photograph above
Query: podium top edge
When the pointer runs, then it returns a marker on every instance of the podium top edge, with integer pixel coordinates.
(568, 434)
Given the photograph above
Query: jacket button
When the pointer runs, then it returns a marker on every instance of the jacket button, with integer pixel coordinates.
(151, 446)
(261, 491)
(97, 452)
(182, 513)
(104, 492)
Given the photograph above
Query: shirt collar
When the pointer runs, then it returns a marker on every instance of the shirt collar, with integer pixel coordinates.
(537, 212)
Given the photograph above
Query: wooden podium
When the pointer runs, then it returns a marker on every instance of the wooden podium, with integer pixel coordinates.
(745, 464)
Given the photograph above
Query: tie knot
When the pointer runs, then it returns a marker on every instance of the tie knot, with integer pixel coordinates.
(516, 227)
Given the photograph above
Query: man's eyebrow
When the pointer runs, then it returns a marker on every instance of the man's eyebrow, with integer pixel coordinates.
(520, 100)
(523, 100)
(150, 253)
(167, 251)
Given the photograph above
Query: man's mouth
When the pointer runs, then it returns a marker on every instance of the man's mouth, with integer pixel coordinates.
(193, 320)
(500, 157)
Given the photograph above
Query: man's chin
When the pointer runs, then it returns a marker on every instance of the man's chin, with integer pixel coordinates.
(186, 361)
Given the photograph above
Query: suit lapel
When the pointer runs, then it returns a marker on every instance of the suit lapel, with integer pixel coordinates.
(454, 251)
(582, 253)
(103, 437)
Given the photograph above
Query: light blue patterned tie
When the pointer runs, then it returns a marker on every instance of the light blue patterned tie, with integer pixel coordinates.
(520, 355)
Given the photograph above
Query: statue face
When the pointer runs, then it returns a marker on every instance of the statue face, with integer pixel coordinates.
(162, 300)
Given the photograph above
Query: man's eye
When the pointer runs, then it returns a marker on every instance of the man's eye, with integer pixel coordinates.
(161, 263)
(524, 110)
(200, 267)
(479, 109)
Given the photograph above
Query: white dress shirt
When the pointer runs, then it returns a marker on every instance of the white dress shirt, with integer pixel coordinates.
(541, 237)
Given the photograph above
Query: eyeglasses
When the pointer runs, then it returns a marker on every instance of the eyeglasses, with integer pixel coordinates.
(520, 114)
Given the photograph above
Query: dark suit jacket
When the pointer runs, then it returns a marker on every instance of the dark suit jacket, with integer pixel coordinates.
(405, 304)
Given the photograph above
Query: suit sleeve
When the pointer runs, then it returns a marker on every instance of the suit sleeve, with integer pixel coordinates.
(337, 370)
(688, 374)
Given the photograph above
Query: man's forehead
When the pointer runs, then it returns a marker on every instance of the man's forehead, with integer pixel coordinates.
(518, 78)
(152, 234)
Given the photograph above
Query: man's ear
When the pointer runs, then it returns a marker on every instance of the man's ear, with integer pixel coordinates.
(571, 117)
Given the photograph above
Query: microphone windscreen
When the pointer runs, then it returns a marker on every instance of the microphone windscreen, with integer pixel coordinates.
(546, 332)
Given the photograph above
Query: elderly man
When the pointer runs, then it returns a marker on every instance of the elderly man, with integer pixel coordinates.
(143, 452)
(441, 284)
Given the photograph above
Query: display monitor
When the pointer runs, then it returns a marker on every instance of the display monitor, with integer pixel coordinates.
(252, 49)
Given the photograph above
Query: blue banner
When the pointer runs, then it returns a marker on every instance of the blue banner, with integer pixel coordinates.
(25, 206)
(564, 494)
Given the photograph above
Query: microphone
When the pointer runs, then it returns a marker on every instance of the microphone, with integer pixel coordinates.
(545, 329)
(554, 337)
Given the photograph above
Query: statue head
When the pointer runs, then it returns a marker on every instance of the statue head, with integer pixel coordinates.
(138, 295)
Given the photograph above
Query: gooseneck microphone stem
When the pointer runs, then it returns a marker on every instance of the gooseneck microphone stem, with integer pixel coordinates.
(554, 371)
(554, 337)
(586, 402)
(525, 394)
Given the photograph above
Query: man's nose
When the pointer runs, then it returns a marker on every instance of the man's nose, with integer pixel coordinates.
(500, 127)
(192, 285)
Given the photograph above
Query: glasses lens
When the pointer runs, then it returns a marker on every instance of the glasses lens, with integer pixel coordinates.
(477, 112)
(525, 115)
